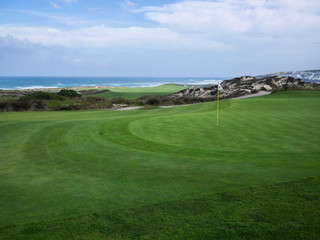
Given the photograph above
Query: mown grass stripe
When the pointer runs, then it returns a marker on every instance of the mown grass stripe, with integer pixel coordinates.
(128, 165)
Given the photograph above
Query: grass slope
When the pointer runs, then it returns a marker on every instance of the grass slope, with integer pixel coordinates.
(164, 173)
(136, 92)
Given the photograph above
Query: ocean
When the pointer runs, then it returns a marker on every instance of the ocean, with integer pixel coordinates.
(11, 83)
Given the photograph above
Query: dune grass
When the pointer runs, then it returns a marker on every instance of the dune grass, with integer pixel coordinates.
(164, 173)
(136, 92)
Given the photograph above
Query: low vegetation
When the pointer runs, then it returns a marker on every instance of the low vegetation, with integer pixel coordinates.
(133, 93)
(93, 99)
(67, 99)
(164, 173)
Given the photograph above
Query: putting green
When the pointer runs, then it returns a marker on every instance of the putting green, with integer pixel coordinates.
(58, 165)
(262, 129)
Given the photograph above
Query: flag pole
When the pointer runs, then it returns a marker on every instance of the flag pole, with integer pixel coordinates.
(219, 87)
(217, 105)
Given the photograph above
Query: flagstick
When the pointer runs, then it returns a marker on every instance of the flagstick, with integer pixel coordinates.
(218, 107)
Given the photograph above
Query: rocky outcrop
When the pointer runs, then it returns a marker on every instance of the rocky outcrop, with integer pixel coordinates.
(242, 86)
(249, 85)
(209, 92)
(306, 75)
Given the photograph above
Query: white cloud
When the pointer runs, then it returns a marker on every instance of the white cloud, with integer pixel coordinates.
(77, 60)
(13, 48)
(23, 57)
(235, 17)
(94, 9)
(222, 34)
(64, 19)
(104, 37)
(128, 4)
(55, 5)
(210, 25)
(69, 1)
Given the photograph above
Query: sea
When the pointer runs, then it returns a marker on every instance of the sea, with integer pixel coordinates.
(12, 83)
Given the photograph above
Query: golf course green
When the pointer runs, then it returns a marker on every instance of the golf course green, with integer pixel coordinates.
(136, 92)
(164, 173)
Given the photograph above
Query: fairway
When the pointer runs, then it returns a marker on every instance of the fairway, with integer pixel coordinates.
(136, 92)
(164, 173)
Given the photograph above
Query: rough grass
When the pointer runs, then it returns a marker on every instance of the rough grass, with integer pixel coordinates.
(6, 98)
(136, 92)
(164, 173)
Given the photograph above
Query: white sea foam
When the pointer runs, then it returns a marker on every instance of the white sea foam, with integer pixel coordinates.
(88, 85)
(205, 81)
(61, 82)
(35, 87)
(6, 89)
(151, 85)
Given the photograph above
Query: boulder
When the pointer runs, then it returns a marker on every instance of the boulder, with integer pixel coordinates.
(242, 86)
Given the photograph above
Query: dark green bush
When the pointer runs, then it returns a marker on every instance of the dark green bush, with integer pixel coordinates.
(120, 100)
(39, 105)
(21, 105)
(69, 107)
(94, 99)
(5, 106)
(86, 103)
(153, 100)
(42, 96)
(93, 91)
(68, 93)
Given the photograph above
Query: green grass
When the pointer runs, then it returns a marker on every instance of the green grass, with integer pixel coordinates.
(6, 98)
(164, 173)
(136, 92)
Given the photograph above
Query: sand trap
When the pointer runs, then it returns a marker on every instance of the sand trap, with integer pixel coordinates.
(253, 95)
(128, 108)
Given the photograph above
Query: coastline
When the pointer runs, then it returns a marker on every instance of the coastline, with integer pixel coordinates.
(54, 83)
(57, 89)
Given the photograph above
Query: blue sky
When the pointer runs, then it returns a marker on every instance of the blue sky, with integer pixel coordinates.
(158, 38)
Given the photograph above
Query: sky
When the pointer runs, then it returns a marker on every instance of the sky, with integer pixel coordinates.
(220, 38)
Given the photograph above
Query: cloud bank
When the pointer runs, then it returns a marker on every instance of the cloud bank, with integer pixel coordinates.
(274, 32)
(230, 17)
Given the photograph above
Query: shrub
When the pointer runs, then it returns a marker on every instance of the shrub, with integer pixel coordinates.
(39, 105)
(21, 105)
(42, 96)
(69, 107)
(153, 100)
(5, 106)
(94, 99)
(93, 91)
(68, 93)
(120, 100)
